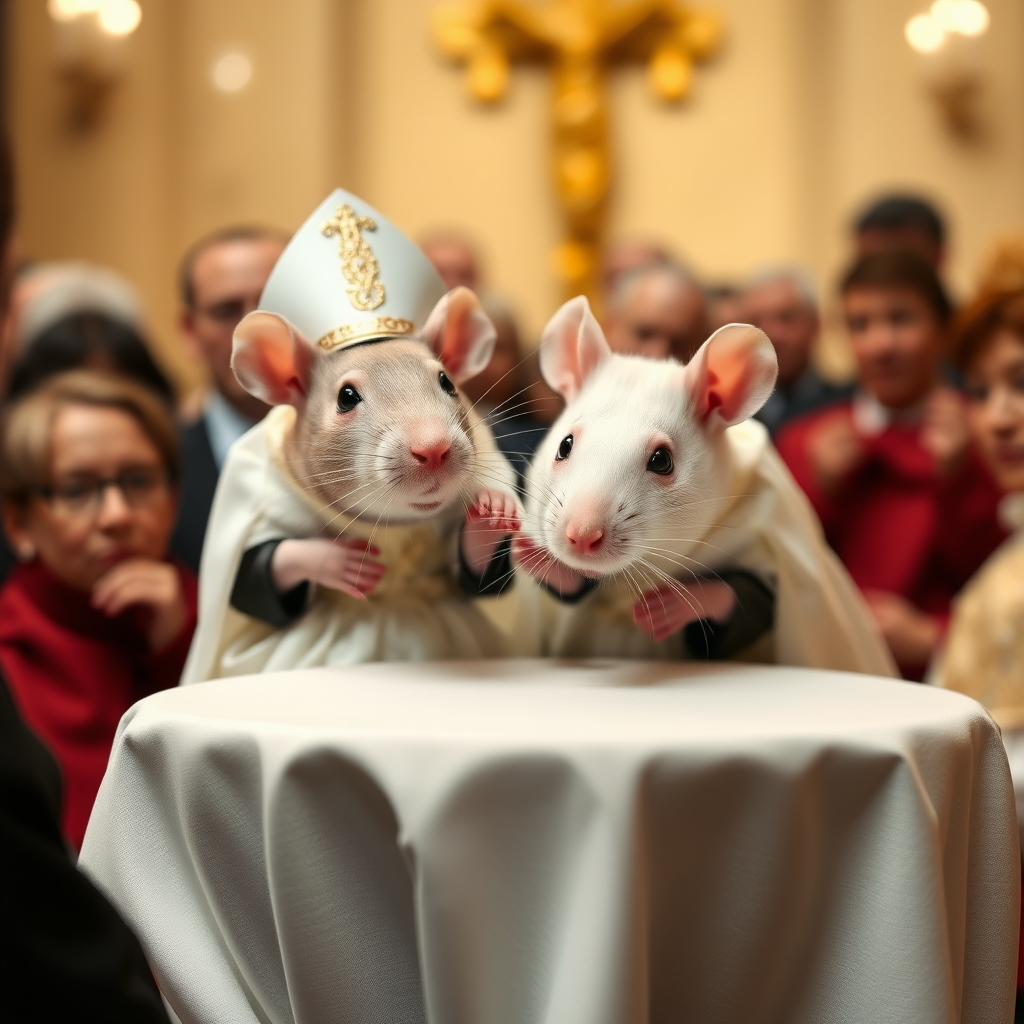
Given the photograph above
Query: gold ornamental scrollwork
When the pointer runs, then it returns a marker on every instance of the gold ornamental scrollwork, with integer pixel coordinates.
(363, 330)
(358, 263)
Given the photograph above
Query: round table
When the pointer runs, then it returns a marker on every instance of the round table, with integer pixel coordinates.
(535, 841)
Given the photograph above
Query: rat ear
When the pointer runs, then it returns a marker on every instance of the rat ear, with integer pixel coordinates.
(271, 359)
(460, 334)
(732, 374)
(571, 348)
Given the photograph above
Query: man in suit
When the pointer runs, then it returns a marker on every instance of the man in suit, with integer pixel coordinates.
(782, 302)
(221, 280)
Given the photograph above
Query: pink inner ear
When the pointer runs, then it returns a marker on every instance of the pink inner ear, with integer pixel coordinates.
(294, 382)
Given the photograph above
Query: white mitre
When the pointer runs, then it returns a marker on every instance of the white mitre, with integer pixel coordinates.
(349, 275)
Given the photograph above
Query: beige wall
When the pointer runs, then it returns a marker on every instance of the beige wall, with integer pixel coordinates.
(812, 106)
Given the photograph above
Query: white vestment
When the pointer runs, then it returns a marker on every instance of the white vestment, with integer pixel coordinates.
(766, 527)
(416, 613)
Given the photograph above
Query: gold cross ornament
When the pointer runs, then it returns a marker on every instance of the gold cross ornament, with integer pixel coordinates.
(581, 40)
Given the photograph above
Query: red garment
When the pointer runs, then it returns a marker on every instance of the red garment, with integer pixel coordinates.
(73, 672)
(897, 525)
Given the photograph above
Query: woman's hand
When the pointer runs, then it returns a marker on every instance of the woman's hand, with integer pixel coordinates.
(346, 565)
(155, 586)
(945, 432)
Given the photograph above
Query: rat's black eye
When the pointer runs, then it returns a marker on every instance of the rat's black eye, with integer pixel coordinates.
(661, 462)
(564, 449)
(348, 398)
(446, 384)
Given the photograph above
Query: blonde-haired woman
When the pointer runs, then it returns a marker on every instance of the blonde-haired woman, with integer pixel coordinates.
(94, 616)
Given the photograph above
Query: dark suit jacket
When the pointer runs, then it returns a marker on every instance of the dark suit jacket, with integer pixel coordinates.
(65, 954)
(199, 475)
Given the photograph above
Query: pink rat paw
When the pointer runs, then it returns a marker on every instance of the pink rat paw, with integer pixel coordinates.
(668, 609)
(496, 510)
(352, 568)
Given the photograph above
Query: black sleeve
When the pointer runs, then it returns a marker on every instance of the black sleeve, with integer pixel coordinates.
(574, 598)
(496, 577)
(255, 595)
(65, 954)
(752, 617)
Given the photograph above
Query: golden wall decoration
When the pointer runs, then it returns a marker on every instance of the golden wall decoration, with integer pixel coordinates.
(580, 40)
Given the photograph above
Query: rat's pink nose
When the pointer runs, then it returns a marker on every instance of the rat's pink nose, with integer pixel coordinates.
(585, 538)
(432, 453)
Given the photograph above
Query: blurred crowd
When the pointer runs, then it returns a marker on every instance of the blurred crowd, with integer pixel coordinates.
(915, 466)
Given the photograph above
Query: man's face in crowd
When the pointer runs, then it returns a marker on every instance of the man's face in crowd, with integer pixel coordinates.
(659, 317)
(907, 238)
(227, 281)
(455, 261)
(896, 339)
(778, 308)
(622, 257)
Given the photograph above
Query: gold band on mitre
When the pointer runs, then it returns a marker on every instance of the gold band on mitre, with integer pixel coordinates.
(364, 330)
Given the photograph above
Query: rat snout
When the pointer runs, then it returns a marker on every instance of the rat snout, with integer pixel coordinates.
(431, 452)
(585, 537)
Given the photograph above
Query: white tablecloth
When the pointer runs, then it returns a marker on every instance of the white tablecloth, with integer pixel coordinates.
(504, 843)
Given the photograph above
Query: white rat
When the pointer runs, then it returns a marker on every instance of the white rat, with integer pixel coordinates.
(344, 522)
(653, 483)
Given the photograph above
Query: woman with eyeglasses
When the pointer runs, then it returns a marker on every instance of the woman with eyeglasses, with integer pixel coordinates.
(94, 616)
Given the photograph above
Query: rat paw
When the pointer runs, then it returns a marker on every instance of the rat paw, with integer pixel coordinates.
(350, 566)
(496, 510)
(544, 567)
(671, 607)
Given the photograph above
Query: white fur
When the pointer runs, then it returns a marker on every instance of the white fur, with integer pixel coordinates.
(620, 410)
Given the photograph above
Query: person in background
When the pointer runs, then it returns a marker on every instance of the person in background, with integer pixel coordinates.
(69, 316)
(904, 222)
(220, 280)
(984, 650)
(94, 616)
(67, 954)
(513, 405)
(626, 255)
(656, 311)
(724, 304)
(76, 315)
(500, 395)
(782, 302)
(455, 258)
(904, 499)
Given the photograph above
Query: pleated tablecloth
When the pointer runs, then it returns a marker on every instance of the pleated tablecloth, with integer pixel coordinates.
(531, 842)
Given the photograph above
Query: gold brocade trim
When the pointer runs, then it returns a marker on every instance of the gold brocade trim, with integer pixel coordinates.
(358, 263)
(361, 330)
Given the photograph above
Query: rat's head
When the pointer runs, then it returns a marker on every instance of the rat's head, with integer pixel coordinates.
(632, 467)
(382, 429)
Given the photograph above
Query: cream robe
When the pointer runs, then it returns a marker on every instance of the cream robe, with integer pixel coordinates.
(768, 527)
(417, 613)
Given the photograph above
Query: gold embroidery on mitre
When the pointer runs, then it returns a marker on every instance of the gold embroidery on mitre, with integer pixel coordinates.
(358, 263)
(362, 330)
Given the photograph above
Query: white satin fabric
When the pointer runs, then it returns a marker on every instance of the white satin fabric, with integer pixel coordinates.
(530, 842)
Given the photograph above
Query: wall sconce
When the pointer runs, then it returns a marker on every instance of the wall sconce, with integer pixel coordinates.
(91, 48)
(947, 36)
